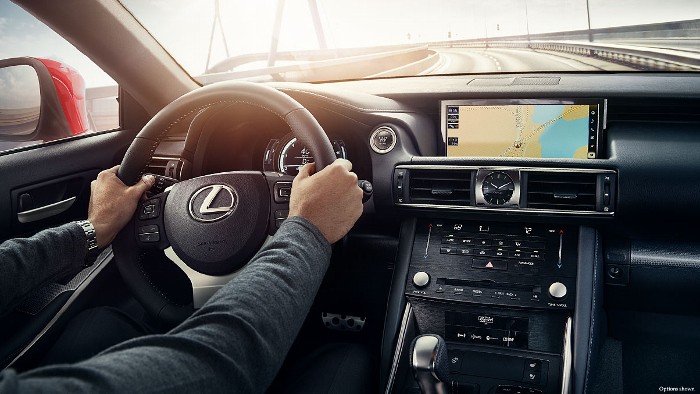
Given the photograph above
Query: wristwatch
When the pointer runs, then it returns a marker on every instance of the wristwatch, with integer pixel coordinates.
(90, 242)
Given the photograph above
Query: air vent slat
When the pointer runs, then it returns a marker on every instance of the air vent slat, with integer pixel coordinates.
(566, 191)
(440, 187)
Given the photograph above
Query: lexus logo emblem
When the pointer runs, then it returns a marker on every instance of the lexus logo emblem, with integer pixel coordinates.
(212, 203)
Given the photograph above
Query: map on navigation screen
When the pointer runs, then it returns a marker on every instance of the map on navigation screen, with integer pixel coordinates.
(523, 130)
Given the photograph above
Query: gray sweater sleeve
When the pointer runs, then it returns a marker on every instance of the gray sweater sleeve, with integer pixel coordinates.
(27, 263)
(235, 343)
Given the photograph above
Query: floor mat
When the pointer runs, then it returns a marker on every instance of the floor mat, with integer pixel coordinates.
(653, 368)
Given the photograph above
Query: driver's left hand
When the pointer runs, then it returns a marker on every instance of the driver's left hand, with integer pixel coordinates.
(112, 203)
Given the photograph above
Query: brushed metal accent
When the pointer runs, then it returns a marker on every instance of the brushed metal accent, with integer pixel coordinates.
(407, 314)
(566, 356)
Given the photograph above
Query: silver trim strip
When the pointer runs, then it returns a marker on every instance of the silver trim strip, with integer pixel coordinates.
(566, 367)
(408, 311)
(375, 147)
(101, 264)
(203, 286)
(509, 210)
(504, 168)
(46, 211)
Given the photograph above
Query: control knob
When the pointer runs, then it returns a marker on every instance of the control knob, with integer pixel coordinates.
(557, 290)
(421, 279)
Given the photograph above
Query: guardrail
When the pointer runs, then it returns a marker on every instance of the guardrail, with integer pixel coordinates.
(631, 55)
(668, 46)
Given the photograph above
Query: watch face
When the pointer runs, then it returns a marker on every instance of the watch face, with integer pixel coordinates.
(498, 188)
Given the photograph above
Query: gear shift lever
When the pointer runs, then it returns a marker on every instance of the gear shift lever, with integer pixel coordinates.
(429, 363)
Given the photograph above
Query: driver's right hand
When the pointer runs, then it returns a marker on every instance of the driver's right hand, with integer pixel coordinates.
(330, 199)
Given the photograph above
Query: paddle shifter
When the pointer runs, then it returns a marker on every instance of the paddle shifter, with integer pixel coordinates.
(430, 364)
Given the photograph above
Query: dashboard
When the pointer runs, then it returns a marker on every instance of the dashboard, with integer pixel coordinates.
(520, 198)
(636, 166)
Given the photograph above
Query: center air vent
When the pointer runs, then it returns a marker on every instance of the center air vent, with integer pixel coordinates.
(562, 191)
(440, 187)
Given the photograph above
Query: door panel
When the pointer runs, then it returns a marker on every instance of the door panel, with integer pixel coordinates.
(51, 174)
(55, 175)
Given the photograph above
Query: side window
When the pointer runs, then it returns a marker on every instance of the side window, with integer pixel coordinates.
(49, 90)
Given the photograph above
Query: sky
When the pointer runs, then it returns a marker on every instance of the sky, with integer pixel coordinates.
(184, 26)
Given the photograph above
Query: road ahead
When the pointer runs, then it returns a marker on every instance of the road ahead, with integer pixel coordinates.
(494, 60)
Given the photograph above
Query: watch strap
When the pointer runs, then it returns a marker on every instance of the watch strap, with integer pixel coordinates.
(90, 241)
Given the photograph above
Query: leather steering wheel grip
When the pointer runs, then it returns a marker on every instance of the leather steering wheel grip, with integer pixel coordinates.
(184, 109)
(302, 124)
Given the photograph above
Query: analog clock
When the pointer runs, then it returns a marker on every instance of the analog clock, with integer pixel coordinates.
(497, 188)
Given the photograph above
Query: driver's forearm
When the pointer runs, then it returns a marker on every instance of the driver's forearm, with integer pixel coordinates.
(27, 263)
(236, 342)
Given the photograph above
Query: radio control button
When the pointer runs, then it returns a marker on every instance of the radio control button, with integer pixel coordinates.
(516, 255)
(557, 290)
(446, 250)
(421, 279)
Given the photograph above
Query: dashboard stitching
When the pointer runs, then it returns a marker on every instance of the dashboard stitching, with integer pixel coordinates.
(342, 104)
(178, 120)
(666, 264)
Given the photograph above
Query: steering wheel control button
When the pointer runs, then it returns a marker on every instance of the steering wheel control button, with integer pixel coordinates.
(281, 214)
(213, 202)
(421, 279)
(282, 191)
(367, 190)
(383, 139)
(150, 209)
(149, 233)
(161, 183)
(557, 290)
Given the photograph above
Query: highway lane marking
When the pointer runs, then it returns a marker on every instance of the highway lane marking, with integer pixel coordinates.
(498, 64)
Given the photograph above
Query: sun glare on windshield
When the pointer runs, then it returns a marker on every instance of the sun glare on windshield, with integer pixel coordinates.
(330, 40)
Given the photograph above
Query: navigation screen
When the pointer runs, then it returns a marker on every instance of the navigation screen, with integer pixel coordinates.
(522, 130)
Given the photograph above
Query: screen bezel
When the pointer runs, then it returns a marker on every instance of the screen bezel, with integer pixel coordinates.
(601, 123)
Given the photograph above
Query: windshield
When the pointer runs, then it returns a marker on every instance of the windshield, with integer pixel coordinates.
(319, 40)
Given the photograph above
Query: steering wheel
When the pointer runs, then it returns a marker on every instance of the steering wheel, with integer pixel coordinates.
(210, 225)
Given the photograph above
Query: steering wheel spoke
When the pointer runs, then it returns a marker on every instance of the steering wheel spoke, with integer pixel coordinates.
(203, 286)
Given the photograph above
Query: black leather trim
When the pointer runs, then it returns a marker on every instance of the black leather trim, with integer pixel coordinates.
(589, 268)
(665, 254)
(397, 301)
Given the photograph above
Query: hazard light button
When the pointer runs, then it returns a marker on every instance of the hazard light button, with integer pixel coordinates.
(501, 265)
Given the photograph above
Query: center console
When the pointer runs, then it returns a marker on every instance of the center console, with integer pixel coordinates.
(502, 295)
